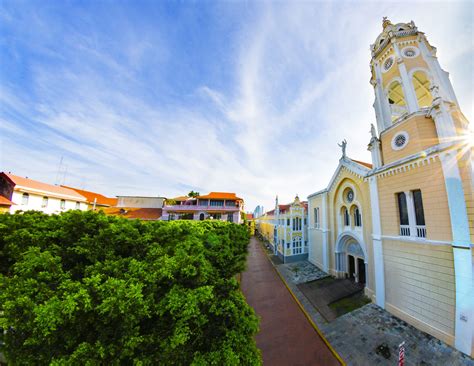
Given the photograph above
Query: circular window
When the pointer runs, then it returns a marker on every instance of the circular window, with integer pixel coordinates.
(350, 195)
(399, 141)
(410, 52)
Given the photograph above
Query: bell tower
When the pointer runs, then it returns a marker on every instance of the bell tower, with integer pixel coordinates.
(423, 176)
(409, 81)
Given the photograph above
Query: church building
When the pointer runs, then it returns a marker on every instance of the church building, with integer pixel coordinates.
(403, 225)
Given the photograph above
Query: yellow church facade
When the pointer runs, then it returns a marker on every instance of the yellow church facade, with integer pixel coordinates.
(404, 225)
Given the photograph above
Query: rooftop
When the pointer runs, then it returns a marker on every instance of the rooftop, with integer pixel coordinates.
(93, 196)
(134, 212)
(34, 186)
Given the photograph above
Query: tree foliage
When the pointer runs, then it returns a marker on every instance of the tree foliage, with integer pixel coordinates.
(193, 194)
(85, 288)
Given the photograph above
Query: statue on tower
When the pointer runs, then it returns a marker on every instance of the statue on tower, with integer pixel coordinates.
(343, 147)
(373, 132)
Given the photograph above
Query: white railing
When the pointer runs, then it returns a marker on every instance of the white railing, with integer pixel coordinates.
(405, 230)
(199, 208)
(421, 231)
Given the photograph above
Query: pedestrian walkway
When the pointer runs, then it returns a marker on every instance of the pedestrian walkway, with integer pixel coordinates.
(286, 336)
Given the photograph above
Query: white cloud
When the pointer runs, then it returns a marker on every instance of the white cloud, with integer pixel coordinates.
(302, 85)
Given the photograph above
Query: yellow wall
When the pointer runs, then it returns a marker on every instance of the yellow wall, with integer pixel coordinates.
(419, 286)
(430, 180)
(422, 134)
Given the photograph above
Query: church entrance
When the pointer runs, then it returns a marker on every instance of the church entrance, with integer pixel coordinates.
(350, 259)
(351, 267)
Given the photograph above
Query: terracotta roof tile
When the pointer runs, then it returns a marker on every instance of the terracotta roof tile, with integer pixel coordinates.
(5, 201)
(249, 216)
(368, 165)
(90, 196)
(32, 185)
(221, 195)
(134, 212)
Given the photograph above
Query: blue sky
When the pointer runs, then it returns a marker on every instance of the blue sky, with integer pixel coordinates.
(158, 98)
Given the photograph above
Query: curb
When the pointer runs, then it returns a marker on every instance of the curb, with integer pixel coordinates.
(321, 335)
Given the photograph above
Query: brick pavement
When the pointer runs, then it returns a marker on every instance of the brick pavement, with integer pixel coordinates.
(286, 337)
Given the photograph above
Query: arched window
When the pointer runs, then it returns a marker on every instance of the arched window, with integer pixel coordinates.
(421, 84)
(24, 199)
(396, 99)
(45, 202)
(63, 204)
(201, 217)
(347, 219)
(357, 217)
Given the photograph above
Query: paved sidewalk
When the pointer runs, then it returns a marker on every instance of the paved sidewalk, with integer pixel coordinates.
(286, 336)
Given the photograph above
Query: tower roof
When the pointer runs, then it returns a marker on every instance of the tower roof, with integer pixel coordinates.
(389, 31)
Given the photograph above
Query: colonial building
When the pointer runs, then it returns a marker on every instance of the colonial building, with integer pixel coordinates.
(223, 206)
(285, 228)
(28, 194)
(95, 200)
(404, 225)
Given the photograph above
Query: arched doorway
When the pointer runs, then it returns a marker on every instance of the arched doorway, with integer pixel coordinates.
(351, 259)
(201, 217)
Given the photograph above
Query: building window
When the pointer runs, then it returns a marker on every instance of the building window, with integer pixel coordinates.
(347, 219)
(230, 218)
(24, 199)
(411, 208)
(216, 203)
(45, 202)
(297, 249)
(201, 217)
(357, 217)
(230, 203)
(287, 222)
(296, 224)
(217, 216)
(419, 214)
(171, 217)
(421, 84)
(305, 221)
(316, 217)
(78, 206)
(396, 99)
(63, 204)
(403, 214)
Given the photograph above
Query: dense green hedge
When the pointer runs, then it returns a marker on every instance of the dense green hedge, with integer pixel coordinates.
(85, 288)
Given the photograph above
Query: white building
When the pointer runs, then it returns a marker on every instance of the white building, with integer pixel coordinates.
(28, 194)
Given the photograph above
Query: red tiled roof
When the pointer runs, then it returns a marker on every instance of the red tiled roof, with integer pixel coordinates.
(90, 196)
(221, 195)
(134, 212)
(5, 201)
(362, 163)
(32, 185)
(249, 216)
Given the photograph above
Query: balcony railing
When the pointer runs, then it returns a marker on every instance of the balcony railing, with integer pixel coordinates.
(405, 230)
(420, 231)
(182, 208)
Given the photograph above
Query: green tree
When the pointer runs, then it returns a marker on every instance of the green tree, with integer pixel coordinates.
(193, 194)
(85, 288)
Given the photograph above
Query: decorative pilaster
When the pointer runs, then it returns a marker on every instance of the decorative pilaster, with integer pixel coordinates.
(325, 232)
(464, 320)
(377, 244)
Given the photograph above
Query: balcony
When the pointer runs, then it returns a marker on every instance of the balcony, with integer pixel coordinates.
(420, 231)
(197, 208)
(405, 230)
